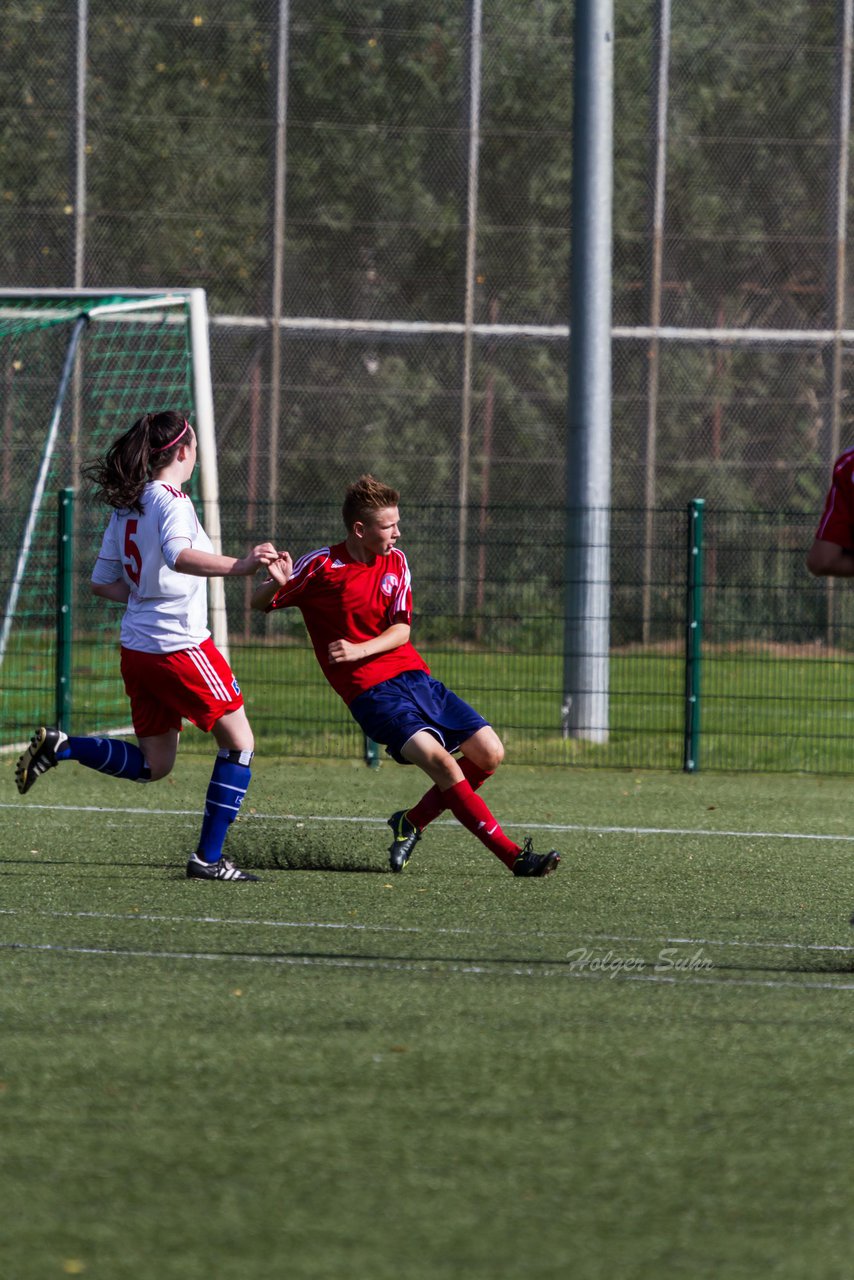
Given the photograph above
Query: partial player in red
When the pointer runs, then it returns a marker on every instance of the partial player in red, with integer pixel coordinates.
(155, 558)
(832, 552)
(356, 599)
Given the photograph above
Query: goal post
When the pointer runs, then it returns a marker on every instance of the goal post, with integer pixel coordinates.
(77, 367)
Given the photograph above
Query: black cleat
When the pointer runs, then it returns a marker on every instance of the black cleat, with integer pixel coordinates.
(222, 870)
(406, 837)
(529, 863)
(39, 756)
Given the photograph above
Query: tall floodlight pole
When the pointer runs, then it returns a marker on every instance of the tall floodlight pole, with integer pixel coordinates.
(81, 48)
(588, 437)
(660, 93)
(837, 272)
(279, 177)
(839, 220)
(474, 71)
(80, 179)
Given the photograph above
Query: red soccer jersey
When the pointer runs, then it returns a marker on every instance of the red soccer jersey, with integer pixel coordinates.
(837, 521)
(343, 599)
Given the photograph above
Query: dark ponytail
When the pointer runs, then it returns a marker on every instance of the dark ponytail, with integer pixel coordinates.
(126, 468)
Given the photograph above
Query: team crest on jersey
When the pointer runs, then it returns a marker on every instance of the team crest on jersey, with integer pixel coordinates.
(388, 586)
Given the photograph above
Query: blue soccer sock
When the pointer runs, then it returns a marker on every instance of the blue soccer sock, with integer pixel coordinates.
(226, 789)
(107, 755)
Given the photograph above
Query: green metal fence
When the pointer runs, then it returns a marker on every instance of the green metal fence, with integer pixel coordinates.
(729, 601)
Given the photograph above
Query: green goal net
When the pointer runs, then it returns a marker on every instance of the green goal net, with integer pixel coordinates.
(76, 369)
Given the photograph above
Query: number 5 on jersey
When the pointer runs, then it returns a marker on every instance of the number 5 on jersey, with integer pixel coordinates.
(133, 559)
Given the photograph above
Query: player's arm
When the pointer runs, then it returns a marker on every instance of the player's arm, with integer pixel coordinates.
(829, 560)
(107, 580)
(118, 591)
(280, 571)
(351, 651)
(207, 564)
(263, 595)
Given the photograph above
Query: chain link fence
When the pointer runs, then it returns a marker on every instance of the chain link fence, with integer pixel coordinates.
(341, 178)
(315, 164)
(771, 669)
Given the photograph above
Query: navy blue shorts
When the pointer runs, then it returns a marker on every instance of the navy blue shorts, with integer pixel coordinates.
(391, 712)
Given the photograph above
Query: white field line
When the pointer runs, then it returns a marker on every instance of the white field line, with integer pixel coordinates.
(489, 970)
(349, 926)
(488, 967)
(15, 748)
(441, 822)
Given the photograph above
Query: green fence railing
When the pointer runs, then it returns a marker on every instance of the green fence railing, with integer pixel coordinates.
(774, 646)
(693, 636)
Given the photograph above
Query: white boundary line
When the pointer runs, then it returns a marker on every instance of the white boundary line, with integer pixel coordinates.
(488, 967)
(381, 822)
(123, 731)
(495, 969)
(353, 927)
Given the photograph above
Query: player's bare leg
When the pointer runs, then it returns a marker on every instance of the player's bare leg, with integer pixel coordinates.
(233, 731)
(160, 751)
(485, 749)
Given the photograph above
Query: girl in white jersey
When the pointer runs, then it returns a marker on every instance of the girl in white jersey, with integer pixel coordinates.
(154, 559)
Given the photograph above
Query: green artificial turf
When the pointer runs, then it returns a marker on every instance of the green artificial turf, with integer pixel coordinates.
(761, 707)
(639, 1067)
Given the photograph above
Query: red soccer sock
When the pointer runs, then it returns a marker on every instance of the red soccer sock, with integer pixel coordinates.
(471, 811)
(433, 802)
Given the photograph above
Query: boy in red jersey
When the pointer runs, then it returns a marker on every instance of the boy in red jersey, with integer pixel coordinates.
(356, 600)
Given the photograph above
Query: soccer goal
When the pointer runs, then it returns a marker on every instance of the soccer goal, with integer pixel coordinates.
(77, 367)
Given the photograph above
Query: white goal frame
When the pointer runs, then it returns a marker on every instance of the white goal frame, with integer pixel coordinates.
(136, 301)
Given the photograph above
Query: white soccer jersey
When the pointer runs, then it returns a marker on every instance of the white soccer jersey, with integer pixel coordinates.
(166, 610)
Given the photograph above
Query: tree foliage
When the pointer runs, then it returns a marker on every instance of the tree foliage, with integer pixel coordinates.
(181, 139)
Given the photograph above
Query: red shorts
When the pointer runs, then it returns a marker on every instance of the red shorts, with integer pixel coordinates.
(196, 684)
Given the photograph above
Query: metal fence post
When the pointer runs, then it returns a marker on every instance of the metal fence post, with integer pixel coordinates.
(693, 635)
(64, 595)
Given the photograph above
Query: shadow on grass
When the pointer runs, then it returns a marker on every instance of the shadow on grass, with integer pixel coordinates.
(36, 864)
(305, 850)
(295, 863)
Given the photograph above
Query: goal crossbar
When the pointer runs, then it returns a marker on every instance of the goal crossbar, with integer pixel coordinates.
(79, 308)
